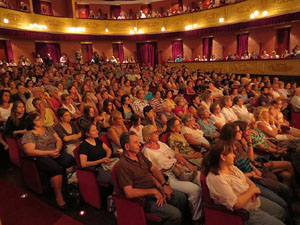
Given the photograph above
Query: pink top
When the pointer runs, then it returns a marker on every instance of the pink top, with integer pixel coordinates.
(180, 109)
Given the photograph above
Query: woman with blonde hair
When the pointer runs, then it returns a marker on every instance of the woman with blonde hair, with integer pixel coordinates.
(165, 159)
(115, 131)
(266, 124)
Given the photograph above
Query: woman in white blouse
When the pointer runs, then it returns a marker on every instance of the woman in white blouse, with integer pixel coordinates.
(164, 158)
(217, 117)
(241, 110)
(227, 111)
(228, 186)
(192, 133)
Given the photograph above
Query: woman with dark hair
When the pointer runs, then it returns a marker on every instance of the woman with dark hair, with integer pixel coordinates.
(228, 186)
(137, 127)
(93, 152)
(88, 101)
(195, 105)
(5, 111)
(67, 130)
(89, 116)
(44, 144)
(67, 104)
(108, 106)
(168, 98)
(178, 142)
(127, 108)
(16, 123)
(75, 96)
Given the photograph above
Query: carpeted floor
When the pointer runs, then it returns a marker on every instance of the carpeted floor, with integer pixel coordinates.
(20, 208)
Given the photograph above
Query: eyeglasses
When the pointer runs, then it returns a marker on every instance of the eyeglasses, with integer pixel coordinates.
(155, 132)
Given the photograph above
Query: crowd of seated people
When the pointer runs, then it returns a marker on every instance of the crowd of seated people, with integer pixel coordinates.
(238, 122)
(141, 14)
(295, 53)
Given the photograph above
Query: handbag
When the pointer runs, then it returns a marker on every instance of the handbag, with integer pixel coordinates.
(183, 173)
(109, 167)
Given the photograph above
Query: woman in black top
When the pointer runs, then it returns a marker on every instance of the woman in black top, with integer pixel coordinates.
(93, 152)
(126, 109)
(16, 123)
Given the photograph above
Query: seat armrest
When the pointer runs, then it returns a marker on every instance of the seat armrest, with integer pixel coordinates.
(90, 169)
(241, 212)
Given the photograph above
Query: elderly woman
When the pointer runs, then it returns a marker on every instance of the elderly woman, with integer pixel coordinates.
(217, 117)
(240, 110)
(115, 131)
(54, 101)
(165, 159)
(192, 133)
(181, 108)
(166, 112)
(207, 99)
(206, 125)
(47, 114)
(227, 111)
(44, 144)
(93, 152)
(228, 186)
(156, 101)
(178, 142)
(67, 130)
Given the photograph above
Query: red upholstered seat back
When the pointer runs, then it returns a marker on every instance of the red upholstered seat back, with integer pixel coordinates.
(165, 137)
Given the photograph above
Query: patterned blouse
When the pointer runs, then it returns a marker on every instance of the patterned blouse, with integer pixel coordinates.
(209, 129)
(184, 148)
(44, 142)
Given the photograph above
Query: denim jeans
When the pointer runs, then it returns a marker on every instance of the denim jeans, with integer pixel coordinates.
(269, 213)
(170, 212)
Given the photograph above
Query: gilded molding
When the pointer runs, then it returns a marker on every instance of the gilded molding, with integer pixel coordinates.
(235, 13)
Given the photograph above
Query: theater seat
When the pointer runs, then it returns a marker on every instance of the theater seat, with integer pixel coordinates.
(88, 185)
(130, 211)
(30, 171)
(295, 118)
(164, 137)
(13, 151)
(218, 214)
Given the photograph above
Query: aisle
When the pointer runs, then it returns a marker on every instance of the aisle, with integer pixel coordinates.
(20, 208)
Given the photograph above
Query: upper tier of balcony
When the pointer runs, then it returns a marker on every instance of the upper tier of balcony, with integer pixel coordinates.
(226, 15)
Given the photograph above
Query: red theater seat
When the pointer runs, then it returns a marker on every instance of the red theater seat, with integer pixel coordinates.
(218, 214)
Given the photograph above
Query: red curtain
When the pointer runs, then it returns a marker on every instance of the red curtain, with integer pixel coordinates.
(9, 51)
(87, 52)
(3, 55)
(242, 44)
(177, 49)
(36, 6)
(46, 8)
(115, 11)
(83, 11)
(44, 48)
(207, 47)
(283, 40)
(118, 51)
(147, 53)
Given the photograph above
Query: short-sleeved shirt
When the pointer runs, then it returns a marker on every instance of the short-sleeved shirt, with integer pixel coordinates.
(134, 173)
(92, 152)
(44, 142)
